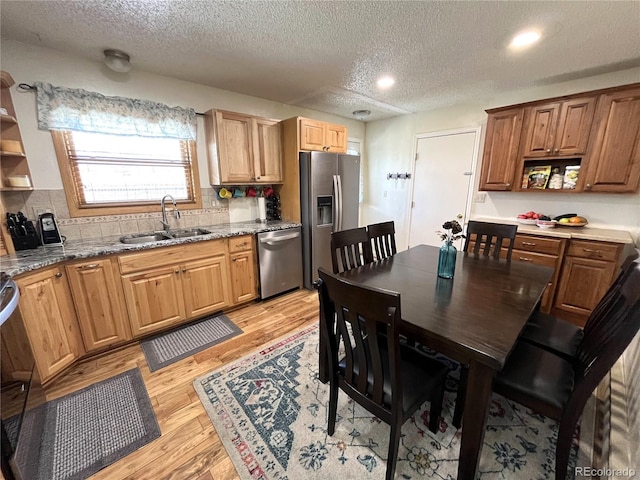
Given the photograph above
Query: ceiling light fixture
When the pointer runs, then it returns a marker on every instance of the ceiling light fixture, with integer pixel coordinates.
(117, 60)
(386, 82)
(361, 114)
(524, 39)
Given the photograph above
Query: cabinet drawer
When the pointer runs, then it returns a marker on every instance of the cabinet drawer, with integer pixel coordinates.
(597, 250)
(531, 243)
(532, 257)
(240, 244)
(169, 255)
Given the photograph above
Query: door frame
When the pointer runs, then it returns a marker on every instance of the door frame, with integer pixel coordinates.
(474, 163)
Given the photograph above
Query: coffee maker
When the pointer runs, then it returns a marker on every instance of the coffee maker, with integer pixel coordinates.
(49, 232)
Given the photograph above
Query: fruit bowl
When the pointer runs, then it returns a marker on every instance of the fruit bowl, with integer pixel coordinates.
(526, 221)
(579, 224)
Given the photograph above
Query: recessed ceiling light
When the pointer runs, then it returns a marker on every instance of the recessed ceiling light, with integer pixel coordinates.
(386, 82)
(524, 39)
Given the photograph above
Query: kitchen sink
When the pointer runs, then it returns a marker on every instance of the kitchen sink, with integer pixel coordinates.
(145, 238)
(194, 232)
(159, 236)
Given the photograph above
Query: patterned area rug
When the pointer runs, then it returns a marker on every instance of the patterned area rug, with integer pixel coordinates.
(167, 348)
(270, 411)
(72, 437)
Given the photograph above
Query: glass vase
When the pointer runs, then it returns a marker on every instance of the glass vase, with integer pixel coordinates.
(447, 260)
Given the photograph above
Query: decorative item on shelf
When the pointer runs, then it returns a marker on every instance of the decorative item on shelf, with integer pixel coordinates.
(539, 176)
(448, 251)
(570, 177)
(555, 182)
(273, 208)
(251, 192)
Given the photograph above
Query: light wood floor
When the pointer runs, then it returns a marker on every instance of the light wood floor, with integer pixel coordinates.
(189, 447)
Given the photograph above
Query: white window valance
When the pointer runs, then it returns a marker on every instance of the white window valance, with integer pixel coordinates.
(61, 108)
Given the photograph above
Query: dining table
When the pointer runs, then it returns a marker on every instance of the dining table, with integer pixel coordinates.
(474, 318)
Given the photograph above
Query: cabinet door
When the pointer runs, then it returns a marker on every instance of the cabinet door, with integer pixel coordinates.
(501, 145)
(267, 151)
(154, 299)
(243, 277)
(336, 138)
(614, 161)
(583, 282)
(98, 301)
(50, 321)
(312, 136)
(206, 286)
(540, 127)
(235, 147)
(574, 126)
(16, 359)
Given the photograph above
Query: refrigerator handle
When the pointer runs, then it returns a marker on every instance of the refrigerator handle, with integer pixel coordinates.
(339, 201)
(336, 213)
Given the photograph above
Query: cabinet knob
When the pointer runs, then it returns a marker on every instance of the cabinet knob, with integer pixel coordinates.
(233, 259)
(556, 150)
(58, 275)
(548, 150)
(184, 270)
(257, 178)
(177, 271)
(587, 186)
(508, 185)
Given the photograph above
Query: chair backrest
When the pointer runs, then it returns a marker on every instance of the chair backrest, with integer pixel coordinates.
(383, 239)
(359, 314)
(617, 323)
(350, 249)
(490, 237)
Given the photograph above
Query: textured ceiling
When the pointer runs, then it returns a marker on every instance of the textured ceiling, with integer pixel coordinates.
(327, 55)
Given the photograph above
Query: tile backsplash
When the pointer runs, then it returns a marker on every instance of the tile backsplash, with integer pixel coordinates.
(32, 203)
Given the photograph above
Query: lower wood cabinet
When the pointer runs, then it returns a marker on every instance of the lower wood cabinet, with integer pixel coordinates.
(50, 320)
(587, 272)
(162, 296)
(98, 301)
(16, 361)
(243, 269)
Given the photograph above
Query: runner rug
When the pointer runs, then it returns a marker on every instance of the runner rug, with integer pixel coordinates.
(167, 348)
(73, 437)
(270, 411)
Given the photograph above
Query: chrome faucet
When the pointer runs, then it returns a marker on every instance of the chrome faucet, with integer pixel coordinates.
(176, 212)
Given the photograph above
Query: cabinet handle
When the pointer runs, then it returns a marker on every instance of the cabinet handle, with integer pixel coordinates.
(88, 267)
(595, 252)
(58, 275)
(529, 244)
(525, 259)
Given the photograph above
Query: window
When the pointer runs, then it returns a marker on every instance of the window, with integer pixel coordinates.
(109, 174)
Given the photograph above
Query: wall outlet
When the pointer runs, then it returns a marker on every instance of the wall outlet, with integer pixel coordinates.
(480, 197)
(384, 194)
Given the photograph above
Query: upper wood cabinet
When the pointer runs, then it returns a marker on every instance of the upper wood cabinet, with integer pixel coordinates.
(614, 161)
(327, 137)
(13, 160)
(500, 155)
(97, 296)
(50, 320)
(558, 128)
(596, 134)
(243, 149)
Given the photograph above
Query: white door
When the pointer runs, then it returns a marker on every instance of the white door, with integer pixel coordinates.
(442, 182)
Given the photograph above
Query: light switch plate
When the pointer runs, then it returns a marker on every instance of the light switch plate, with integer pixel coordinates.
(480, 197)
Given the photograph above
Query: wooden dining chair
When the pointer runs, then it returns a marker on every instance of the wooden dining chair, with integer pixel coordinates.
(383, 239)
(559, 389)
(489, 238)
(350, 249)
(386, 378)
(561, 337)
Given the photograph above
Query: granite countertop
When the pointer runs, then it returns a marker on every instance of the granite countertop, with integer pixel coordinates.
(28, 260)
(581, 233)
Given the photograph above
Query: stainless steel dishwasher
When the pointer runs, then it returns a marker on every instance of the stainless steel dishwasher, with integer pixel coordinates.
(280, 260)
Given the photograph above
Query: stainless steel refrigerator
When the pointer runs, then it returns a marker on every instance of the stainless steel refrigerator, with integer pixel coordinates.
(329, 197)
